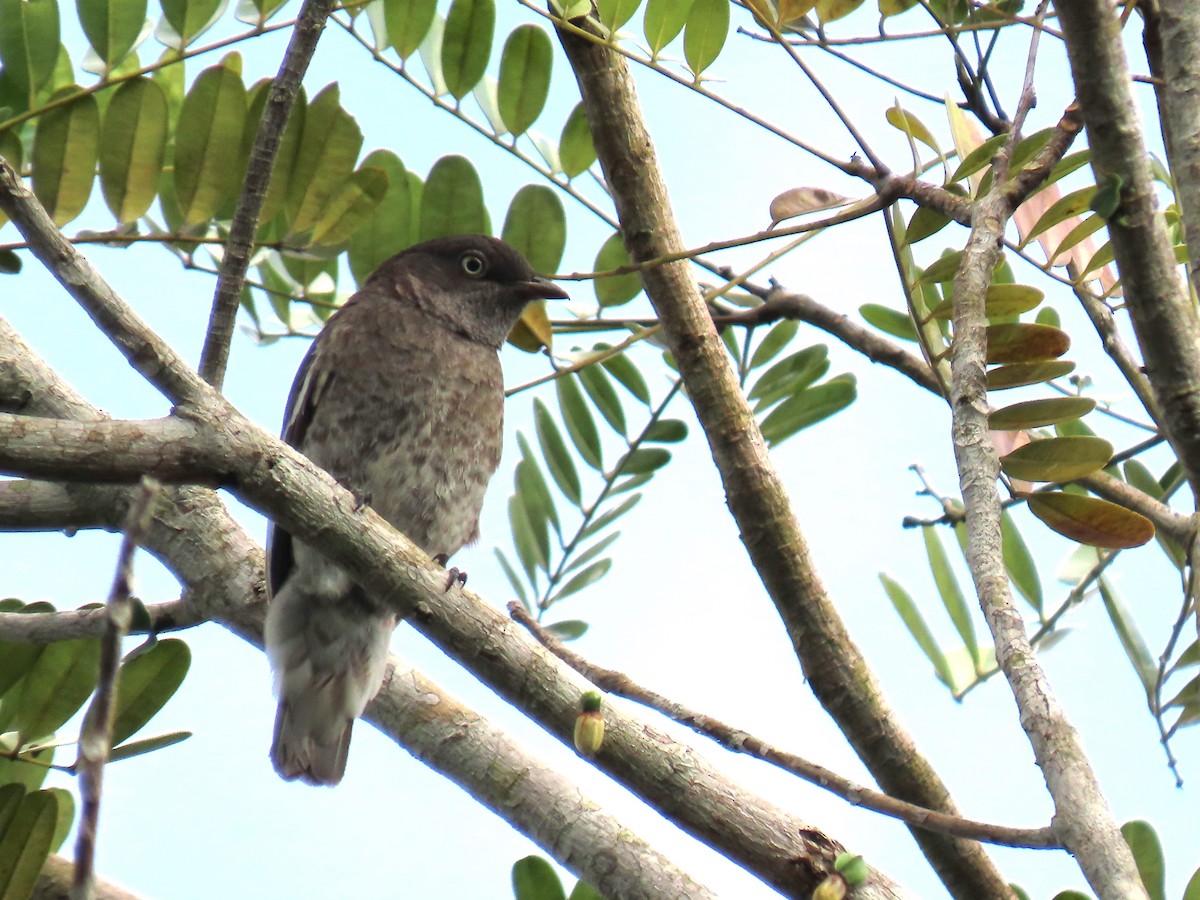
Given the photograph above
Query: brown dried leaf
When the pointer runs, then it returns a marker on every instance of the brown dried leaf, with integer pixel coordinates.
(800, 200)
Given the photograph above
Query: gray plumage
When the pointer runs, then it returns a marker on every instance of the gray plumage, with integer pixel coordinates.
(401, 399)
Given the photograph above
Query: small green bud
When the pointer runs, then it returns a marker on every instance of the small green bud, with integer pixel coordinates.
(591, 701)
(852, 867)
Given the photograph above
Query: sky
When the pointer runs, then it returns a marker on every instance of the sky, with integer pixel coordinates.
(682, 610)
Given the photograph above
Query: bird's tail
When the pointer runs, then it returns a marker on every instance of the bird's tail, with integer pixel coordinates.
(329, 656)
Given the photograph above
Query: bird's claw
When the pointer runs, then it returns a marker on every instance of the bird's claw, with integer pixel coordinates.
(453, 575)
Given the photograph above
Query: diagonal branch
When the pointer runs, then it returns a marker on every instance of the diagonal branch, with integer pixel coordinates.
(1082, 819)
(836, 670)
(280, 98)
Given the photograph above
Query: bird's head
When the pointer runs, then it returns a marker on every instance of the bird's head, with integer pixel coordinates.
(474, 284)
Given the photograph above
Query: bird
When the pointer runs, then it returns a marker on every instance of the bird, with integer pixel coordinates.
(401, 399)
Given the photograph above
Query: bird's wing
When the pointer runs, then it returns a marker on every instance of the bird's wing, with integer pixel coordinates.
(311, 381)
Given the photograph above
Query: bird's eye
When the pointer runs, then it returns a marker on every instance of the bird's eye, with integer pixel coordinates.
(473, 263)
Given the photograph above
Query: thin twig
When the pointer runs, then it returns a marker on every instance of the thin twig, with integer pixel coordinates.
(280, 98)
(96, 738)
(739, 741)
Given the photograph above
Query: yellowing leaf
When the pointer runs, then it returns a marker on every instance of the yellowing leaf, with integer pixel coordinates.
(1090, 520)
(800, 200)
(1014, 342)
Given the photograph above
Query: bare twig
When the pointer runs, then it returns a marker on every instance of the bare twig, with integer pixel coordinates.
(738, 741)
(96, 738)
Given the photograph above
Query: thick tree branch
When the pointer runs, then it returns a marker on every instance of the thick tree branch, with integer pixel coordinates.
(1175, 32)
(280, 98)
(836, 671)
(1082, 819)
(1163, 317)
(71, 624)
(27, 505)
(271, 476)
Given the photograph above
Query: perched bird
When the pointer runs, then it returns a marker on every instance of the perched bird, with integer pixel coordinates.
(401, 399)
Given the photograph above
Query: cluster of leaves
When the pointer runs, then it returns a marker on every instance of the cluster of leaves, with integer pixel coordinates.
(1024, 353)
(42, 686)
(550, 570)
(533, 878)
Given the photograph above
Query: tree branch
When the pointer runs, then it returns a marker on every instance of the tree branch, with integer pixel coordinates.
(280, 98)
(1083, 820)
(836, 671)
(737, 741)
(1163, 317)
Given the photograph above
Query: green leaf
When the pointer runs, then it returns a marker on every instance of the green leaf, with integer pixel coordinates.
(535, 879)
(26, 844)
(1038, 413)
(1135, 648)
(663, 21)
(10, 263)
(64, 155)
(772, 345)
(622, 368)
(1147, 854)
(29, 42)
(645, 460)
(329, 146)
(925, 222)
(915, 622)
(529, 550)
(17, 657)
(592, 552)
(575, 150)
(1090, 520)
(59, 683)
(133, 144)
(190, 18)
(979, 158)
(351, 207)
(66, 816)
(467, 44)
(580, 424)
(513, 579)
(1057, 459)
(809, 407)
(704, 35)
(1001, 300)
(790, 375)
(534, 496)
(605, 519)
(604, 396)
(666, 431)
(615, 13)
(951, 594)
(211, 122)
(943, 269)
(906, 122)
(1019, 564)
(536, 225)
(29, 774)
(145, 684)
(524, 77)
(829, 10)
(1068, 207)
(615, 290)
(568, 630)
(890, 321)
(558, 458)
(1079, 234)
(11, 795)
(111, 26)
(407, 23)
(589, 575)
(394, 223)
(147, 745)
(452, 201)
(1021, 374)
(1192, 891)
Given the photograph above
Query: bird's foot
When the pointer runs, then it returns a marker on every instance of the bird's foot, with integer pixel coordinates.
(361, 501)
(453, 575)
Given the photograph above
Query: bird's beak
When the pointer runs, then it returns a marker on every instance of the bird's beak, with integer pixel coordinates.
(541, 288)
